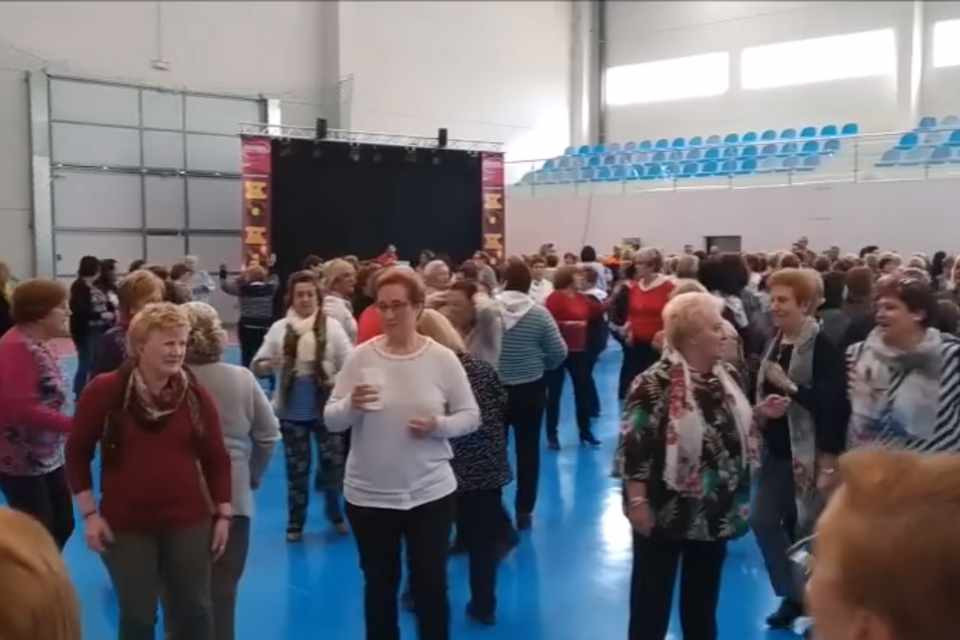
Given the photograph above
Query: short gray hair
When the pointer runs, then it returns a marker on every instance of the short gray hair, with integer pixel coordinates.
(685, 313)
(207, 338)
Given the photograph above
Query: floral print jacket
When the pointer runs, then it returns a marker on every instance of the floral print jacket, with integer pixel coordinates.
(722, 512)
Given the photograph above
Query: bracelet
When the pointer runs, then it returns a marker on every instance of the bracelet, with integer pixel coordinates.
(636, 502)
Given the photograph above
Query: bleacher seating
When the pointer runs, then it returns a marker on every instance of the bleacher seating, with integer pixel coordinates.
(933, 142)
(711, 156)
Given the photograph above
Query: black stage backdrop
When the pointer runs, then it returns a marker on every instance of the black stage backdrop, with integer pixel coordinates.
(333, 199)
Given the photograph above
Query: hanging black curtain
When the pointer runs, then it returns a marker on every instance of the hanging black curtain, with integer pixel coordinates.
(333, 199)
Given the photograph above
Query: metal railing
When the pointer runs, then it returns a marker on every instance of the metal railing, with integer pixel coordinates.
(859, 158)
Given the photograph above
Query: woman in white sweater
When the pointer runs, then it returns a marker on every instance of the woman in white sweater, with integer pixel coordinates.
(250, 431)
(305, 351)
(403, 395)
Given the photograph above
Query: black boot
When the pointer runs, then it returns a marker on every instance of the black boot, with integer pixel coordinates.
(786, 615)
(587, 437)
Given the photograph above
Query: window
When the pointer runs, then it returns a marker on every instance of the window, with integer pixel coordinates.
(664, 80)
(853, 55)
(946, 43)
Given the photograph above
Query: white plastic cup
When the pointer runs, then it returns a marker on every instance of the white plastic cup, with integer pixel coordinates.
(373, 377)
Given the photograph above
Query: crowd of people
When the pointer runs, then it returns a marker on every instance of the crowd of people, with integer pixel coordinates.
(801, 395)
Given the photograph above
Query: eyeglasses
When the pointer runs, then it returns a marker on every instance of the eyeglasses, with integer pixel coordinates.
(393, 307)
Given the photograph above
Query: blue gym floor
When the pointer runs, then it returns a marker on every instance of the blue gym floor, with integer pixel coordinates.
(567, 580)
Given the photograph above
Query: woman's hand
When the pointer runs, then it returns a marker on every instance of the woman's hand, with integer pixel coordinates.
(265, 366)
(828, 477)
(363, 395)
(97, 533)
(422, 427)
(641, 518)
(221, 534)
(779, 378)
(658, 341)
(773, 406)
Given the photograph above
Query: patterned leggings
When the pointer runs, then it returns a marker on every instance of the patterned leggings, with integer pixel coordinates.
(331, 454)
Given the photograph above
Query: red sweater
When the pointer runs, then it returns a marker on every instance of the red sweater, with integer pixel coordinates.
(369, 324)
(572, 314)
(155, 484)
(645, 310)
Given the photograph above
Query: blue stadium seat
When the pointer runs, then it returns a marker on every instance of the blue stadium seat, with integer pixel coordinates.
(609, 159)
(916, 156)
(599, 149)
(908, 141)
(934, 138)
(586, 174)
(659, 156)
(749, 136)
(630, 147)
(626, 159)
(694, 154)
(670, 169)
(528, 178)
(662, 143)
(788, 149)
(748, 165)
(810, 147)
(731, 138)
(768, 165)
(563, 162)
(728, 168)
(549, 165)
(809, 163)
(689, 170)
(954, 139)
(695, 141)
(675, 156)
(613, 147)
(788, 164)
(584, 150)
(640, 157)
(594, 161)
(679, 143)
(850, 129)
(713, 153)
(653, 171)
(769, 134)
(617, 174)
(788, 134)
(730, 153)
(579, 161)
(831, 146)
(828, 131)
(707, 168)
(950, 121)
(602, 174)
(569, 151)
(808, 132)
(713, 140)
(568, 176)
(955, 158)
(889, 158)
(769, 150)
(749, 151)
(630, 173)
(927, 122)
(940, 155)
(646, 145)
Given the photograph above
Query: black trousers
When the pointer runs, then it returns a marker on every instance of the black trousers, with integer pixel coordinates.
(525, 404)
(577, 365)
(226, 575)
(637, 358)
(380, 535)
(250, 337)
(479, 525)
(593, 396)
(655, 563)
(46, 498)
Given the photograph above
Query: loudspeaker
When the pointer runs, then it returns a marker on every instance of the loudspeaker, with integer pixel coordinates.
(321, 128)
(442, 138)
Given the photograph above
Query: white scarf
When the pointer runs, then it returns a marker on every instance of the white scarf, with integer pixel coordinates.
(307, 343)
(685, 426)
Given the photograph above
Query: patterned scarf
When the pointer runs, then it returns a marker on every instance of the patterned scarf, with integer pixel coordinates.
(686, 426)
(304, 349)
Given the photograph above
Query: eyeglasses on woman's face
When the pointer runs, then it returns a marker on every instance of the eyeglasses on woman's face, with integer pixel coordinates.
(393, 307)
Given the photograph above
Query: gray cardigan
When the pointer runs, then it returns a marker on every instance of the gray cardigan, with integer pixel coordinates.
(250, 428)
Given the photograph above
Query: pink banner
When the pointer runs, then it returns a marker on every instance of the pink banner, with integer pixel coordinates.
(494, 225)
(255, 151)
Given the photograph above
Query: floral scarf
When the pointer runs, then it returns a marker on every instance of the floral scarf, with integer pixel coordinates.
(686, 427)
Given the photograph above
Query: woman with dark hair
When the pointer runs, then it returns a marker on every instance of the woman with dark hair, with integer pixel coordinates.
(107, 281)
(588, 260)
(178, 289)
(305, 351)
(834, 321)
(904, 376)
(573, 313)
(858, 305)
(532, 346)
(32, 393)
(936, 268)
(91, 314)
(476, 317)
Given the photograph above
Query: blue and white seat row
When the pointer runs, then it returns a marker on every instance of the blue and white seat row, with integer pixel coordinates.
(932, 142)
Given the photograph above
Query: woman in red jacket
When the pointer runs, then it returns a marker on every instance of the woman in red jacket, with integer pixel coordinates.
(163, 461)
(647, 295)
(573, 311)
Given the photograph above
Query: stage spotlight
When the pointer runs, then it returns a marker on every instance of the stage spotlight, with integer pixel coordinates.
(411, 155)
(355, 153)
(286, 149)
(317, 151)
(377, 156)
(442, 138)
(321, 128)
(436, 158)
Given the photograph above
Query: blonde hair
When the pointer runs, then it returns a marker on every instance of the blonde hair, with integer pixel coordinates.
(685, 315)
(435, 325)
(336, 269)
(37, 599)
(686, 285)
(207, 337)
(155, 317)
(890, 534)
(137, 289)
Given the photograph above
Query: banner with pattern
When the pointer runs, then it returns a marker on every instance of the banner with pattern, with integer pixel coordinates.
(255, 151)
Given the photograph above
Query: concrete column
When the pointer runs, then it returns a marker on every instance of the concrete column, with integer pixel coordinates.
(910, 64)
(585, 80)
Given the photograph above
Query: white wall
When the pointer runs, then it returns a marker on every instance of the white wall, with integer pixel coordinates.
(495, 71)
(279, 49)
(904, 216)
(941, 87)
(650, 31)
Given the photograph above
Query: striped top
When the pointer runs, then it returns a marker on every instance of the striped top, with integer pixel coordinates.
(530, 347)
(256, 299)
(945, 437)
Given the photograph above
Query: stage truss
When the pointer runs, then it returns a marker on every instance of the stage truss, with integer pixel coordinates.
(289, 132)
